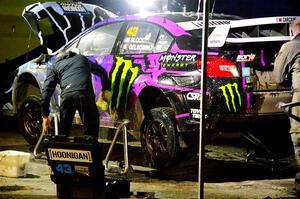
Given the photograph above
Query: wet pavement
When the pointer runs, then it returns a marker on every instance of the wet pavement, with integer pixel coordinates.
(226, 174)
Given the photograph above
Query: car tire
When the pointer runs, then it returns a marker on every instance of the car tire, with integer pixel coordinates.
(30, 119)
(159, 137)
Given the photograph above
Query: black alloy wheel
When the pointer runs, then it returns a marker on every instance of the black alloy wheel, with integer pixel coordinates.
(30, 119)
(159, 137)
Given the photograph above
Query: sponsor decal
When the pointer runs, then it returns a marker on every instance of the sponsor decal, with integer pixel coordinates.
(246, 72)
(174, 65)
(218, 37)
(82, 169)
(192, 25)
(177, 60)
(285, 19)
(72, 7)
(122, 78)
(70, 155)
(195, 113)
(215, 41)
(193, 96)
(229, 92)
(245, 58)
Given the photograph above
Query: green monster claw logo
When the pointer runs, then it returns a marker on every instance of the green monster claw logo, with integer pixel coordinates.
(122, 78)
(231, 91)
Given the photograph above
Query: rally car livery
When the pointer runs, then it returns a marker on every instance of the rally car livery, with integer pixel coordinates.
(154, 68)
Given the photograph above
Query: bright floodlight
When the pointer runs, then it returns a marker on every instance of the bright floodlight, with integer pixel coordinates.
(142, 5)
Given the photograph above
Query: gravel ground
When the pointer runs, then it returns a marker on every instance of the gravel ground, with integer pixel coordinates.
(226, 175)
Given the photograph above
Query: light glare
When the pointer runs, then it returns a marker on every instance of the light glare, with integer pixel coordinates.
(142, 5)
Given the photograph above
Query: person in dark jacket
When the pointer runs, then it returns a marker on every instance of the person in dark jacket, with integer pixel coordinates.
(287, 68)
(73, 73)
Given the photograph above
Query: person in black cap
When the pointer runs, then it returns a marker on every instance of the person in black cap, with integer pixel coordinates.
(73, 73)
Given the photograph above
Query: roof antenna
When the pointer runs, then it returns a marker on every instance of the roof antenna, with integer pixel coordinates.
(164, 5)
(213, 7)
(198, 10)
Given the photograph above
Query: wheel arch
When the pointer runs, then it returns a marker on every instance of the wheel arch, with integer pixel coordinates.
(24, 85)
(152, 97)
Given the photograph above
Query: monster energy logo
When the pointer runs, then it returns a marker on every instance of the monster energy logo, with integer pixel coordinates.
(122, 78)
(232, 89)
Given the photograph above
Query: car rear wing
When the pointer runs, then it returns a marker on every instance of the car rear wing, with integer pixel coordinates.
(267, 29)
(256, 30)
(240, 31)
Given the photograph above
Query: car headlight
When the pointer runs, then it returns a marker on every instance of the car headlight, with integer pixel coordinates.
(182, 80)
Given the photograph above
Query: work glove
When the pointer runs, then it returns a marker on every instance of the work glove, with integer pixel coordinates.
(46, 124)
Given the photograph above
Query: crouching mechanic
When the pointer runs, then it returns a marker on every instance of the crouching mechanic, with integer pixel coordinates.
(287, 66)
(73, 73)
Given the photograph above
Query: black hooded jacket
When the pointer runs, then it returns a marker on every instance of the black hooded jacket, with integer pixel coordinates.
(73, 73)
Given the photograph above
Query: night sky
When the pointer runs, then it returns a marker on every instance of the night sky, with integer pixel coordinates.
(244, 8)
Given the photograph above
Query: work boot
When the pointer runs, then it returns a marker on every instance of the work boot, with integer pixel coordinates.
(295, 138)
(296, 143)
(297, 183)
(296, 160)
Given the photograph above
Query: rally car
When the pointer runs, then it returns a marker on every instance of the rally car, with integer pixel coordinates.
(154, 68)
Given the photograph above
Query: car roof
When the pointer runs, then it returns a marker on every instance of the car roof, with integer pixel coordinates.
(178, 17)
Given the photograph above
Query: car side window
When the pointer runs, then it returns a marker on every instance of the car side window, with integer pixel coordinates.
(71, 46)
(140, 37)
(100, 41)
(163, 42)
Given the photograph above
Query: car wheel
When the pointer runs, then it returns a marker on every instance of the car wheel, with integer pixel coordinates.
(30, 119)
(159, 137)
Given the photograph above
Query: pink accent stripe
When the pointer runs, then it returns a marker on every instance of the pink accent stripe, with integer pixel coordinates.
(244, 83)
(182, 115)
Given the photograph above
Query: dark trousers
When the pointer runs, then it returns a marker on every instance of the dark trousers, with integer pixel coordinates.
(84, 102)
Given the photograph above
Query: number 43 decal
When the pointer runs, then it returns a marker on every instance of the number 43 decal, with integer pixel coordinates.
(132, 31)
(64, 168)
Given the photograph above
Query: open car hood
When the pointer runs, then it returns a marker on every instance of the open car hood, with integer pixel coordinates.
(56, 23)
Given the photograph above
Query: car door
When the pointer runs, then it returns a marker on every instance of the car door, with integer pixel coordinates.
(98, 46)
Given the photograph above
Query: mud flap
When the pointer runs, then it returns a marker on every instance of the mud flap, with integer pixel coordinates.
(270, 140)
